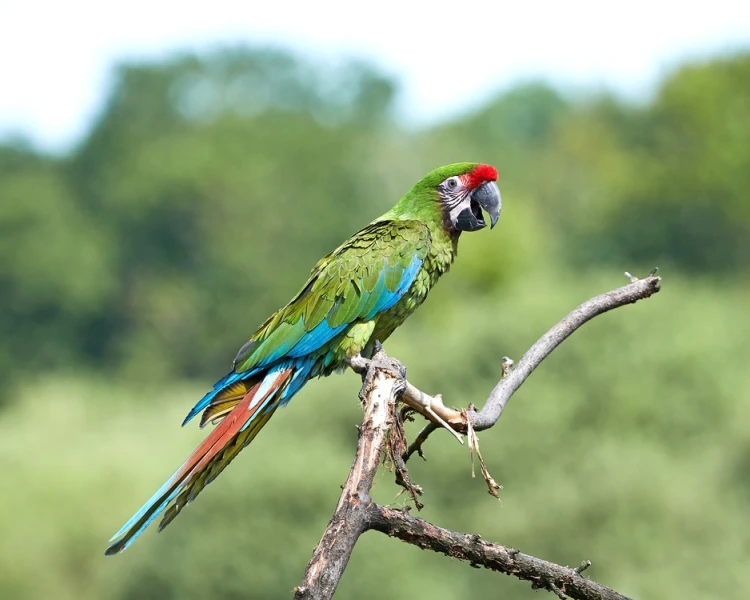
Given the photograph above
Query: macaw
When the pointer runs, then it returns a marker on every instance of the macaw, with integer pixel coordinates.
(356, 295)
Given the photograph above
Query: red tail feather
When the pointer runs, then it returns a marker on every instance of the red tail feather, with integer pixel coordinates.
(209, 459)
(227, 429)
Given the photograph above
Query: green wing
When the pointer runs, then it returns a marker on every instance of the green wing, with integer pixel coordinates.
(363, 277)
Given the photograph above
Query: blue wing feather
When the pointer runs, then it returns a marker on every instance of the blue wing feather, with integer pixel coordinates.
(378, 300)
(316, 338)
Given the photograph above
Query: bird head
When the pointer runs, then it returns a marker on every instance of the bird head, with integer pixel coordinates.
(465, 194)
(461, 192)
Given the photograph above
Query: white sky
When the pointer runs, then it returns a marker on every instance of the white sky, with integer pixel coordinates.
(56, 55)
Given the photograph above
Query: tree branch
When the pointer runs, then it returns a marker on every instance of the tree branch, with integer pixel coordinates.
(638, 289)
(356, 513)
(349, 520)
(541, 573)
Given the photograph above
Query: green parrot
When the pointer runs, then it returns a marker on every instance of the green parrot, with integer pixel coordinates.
(356, 295)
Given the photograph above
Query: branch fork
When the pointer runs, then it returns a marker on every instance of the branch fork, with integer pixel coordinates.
(381, 433)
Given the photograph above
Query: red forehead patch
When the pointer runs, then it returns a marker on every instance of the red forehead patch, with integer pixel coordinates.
(480, 174)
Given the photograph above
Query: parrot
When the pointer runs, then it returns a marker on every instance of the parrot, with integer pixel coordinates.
(355, 297)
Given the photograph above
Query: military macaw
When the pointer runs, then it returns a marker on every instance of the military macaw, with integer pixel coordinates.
(356, 295)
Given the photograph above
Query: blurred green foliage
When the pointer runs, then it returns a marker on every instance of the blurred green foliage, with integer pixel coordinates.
(133, 268)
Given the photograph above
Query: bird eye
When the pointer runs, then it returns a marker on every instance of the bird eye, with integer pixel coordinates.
(452, 183)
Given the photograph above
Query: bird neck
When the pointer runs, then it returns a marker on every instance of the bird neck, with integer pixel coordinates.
(424, 206)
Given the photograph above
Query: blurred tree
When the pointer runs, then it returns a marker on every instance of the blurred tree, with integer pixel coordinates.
(682, 193)
(53, 268)
(210, 185)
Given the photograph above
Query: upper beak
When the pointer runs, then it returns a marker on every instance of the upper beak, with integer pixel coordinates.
(487, 196)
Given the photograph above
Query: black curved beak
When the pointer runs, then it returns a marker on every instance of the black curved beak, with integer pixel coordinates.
(487, 197)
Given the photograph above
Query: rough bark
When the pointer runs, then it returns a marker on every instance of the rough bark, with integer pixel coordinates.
(350, 519)
(541, 573)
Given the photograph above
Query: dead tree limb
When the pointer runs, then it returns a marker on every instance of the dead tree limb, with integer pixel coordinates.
(637, 289)
(350, 519)
(541, 573)
(357, 513)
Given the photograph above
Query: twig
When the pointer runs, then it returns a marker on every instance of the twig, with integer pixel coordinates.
(492, 485)
(583, 566)
(541, 573)
(395, 448)
(416, 445)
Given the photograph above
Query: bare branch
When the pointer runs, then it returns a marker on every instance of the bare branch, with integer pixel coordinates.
(512, 379)
(349, 520)
(395, 448)
(416, 445)
(356, 513)
(541, 574)
(629, 294)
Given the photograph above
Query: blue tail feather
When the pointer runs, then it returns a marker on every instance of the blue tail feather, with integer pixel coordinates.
(163, 496)
(144, 509)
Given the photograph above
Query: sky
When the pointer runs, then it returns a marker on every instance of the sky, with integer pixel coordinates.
(56, 58)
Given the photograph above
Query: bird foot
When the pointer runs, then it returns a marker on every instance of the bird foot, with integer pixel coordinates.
(368, 366)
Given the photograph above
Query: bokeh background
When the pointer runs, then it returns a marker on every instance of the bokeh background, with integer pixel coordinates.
(145, 236)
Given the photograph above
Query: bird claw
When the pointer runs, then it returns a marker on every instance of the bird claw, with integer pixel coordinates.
(368, 366)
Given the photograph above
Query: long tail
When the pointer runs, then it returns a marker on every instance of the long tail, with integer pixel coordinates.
(238, 428)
